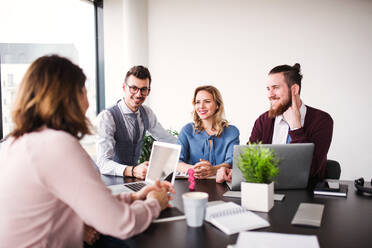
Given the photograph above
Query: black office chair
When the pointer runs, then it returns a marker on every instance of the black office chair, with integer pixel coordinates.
(333, 169)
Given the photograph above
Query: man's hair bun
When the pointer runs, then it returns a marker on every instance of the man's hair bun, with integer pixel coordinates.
(297, 67)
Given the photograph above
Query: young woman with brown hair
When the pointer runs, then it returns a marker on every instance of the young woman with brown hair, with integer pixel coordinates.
(208, 142)
(48, 185)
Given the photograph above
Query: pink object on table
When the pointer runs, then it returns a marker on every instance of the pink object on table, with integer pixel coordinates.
(191, 179)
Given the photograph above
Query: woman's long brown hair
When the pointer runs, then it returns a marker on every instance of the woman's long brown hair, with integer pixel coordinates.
(49, 95)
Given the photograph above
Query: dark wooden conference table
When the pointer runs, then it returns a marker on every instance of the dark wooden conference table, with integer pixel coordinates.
(346, 222)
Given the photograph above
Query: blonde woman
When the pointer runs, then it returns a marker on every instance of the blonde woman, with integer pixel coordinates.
(48, 185)
(208, 142)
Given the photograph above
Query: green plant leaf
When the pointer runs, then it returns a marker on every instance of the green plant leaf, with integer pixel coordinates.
(258, 164)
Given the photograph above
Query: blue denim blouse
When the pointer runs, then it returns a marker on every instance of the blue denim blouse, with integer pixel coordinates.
(195, 145)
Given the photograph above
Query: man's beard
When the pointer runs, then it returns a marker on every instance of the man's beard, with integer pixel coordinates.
(281, 108)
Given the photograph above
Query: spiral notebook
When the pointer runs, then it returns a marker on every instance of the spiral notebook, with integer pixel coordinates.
(232, 218)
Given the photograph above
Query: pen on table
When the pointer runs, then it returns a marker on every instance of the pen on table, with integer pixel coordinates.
(181, 217)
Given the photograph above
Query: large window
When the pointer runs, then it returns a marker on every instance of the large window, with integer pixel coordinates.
(30, 29)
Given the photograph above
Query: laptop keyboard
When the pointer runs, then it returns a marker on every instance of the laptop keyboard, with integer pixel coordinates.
(181, 174)
(135, 186)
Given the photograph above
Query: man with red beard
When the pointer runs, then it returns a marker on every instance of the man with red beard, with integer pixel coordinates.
(289, 120)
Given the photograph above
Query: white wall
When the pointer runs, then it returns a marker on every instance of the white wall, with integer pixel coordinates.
(125, 42)
(233, 45)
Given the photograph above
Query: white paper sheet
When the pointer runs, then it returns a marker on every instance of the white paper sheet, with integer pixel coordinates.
(268, 239)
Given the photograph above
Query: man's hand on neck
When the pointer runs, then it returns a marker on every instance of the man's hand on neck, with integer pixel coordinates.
(292, 115)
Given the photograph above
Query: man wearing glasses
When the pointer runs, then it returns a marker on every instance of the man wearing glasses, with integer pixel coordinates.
(122, 127)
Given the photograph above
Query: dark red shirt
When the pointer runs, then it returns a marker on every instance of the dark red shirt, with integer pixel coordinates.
(317, 129)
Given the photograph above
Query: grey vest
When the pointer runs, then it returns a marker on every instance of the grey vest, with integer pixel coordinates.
(127, 151)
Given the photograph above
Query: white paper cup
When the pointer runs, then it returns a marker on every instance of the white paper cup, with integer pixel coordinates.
(194, 204)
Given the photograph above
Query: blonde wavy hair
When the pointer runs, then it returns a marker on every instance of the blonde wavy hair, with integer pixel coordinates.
(219, 122)
(49, 95)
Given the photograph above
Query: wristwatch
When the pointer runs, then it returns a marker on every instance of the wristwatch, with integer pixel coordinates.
(133, 170)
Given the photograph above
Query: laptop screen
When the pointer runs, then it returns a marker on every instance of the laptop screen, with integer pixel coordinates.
(163, 161)
(294, 166)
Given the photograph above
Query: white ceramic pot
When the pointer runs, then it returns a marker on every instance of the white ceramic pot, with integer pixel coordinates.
(257, 196)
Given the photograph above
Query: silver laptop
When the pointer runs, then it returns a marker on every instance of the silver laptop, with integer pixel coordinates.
(163, 162)
(294, 165)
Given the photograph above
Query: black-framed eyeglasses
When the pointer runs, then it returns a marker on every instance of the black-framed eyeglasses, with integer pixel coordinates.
(134, 89)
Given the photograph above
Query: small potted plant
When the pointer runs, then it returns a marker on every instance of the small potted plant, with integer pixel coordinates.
(259, 167)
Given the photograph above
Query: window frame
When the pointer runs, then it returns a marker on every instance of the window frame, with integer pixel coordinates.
(99, 56)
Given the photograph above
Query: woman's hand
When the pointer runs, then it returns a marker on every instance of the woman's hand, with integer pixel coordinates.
(223, 174)
(158, 186)
(90, 235)
(161, 196)
(204, 169)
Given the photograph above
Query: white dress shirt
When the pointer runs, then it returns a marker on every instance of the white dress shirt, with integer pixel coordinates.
(281, 127)
(105, 144)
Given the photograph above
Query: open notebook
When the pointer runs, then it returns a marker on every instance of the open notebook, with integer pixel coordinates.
(232, 218)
